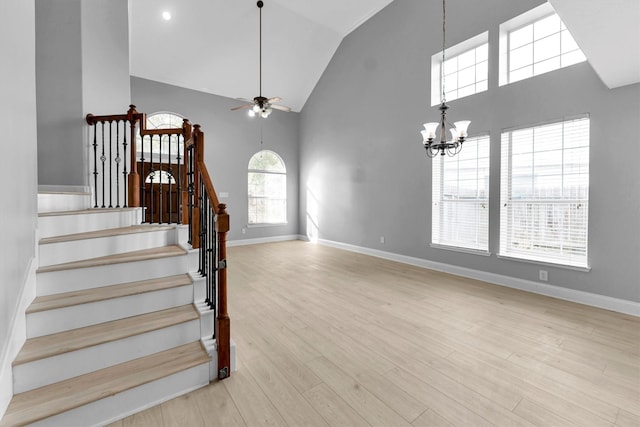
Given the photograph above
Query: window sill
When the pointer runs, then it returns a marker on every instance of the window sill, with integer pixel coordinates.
(459, 249)
(279, 224)
(545, 263)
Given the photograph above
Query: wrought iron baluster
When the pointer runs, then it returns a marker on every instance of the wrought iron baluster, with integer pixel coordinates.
(124, 164)
(95, 165)
(170, 181)
(152, 174)
(103, 159)
(143, 179)
(117, 160)
(110, 158)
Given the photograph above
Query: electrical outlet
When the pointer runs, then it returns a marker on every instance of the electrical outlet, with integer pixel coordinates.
(381, 239)
(244, 231)
(544, 275)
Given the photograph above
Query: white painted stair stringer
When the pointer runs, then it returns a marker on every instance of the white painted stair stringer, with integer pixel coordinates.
(78, 316)
(42, 372)
(75, 247)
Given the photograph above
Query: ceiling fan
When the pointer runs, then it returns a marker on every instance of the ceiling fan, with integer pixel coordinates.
(260, 105)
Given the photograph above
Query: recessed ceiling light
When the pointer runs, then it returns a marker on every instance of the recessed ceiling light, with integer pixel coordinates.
(166, 15)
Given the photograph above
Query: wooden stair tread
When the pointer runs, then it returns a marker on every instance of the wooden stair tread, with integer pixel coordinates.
(88, 336)
(145, 254)
(56, 398)
(109, 232)
(68, 299)
(84, 211)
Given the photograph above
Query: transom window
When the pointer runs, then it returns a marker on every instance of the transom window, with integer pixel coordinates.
(545, 193)
(460, 194)
(535, 43)
(166, 144)
(267, 189)
(465, 71)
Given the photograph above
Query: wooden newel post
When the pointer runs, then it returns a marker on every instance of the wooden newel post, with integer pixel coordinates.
(222, 325)
(184, 182)
(134, 178)
(198, 142)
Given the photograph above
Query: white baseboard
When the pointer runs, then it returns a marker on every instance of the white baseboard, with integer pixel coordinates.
(581, 297)
(273, 239)
(17, 335)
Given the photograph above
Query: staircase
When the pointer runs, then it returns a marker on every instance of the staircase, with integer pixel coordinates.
(114, 328)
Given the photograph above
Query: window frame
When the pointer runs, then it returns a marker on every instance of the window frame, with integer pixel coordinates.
(530, 17)
(482, 141)
(266, 172)
(454, 52)
(507, 199)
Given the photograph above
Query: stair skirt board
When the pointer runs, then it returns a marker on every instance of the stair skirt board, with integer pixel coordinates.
(121, 405)
(81, 315)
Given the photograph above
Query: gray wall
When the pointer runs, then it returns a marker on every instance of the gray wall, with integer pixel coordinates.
(231, 138)
(82, 59)
(19, 170)
(362, 160)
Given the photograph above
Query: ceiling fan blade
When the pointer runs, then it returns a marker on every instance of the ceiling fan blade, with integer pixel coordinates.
(242, 107)
(274, 99)
(281, 108)
(246, 100)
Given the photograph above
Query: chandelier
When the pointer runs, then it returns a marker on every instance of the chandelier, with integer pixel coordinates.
(459, 129)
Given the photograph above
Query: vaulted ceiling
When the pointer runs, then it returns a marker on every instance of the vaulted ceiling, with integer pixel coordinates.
(212, 45)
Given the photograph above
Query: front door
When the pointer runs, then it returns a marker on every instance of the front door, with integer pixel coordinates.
(159, 193)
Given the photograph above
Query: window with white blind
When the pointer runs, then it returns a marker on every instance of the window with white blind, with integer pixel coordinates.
(460, 193)
(465, 71)
(535, 43)
(267, 189)
(544, 200)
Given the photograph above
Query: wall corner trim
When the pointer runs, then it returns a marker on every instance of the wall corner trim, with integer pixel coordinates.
(17, 336)
(594, 300)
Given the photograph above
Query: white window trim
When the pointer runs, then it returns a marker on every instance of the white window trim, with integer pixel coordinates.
(264, 171)
(460, 249)
(533, 260)
(529, 17)
(436, 63)
(452, 247)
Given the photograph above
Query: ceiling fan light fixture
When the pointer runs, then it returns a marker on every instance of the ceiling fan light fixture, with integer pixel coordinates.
(260, 105)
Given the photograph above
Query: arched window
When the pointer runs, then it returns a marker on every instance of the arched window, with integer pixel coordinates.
(267, 189)
(167, 145)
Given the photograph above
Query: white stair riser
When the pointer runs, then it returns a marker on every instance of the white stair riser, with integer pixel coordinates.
(76, 250)
(113, 408)
(59, 225)
(78, 316)
(55, 282)
(29, 376)
(55, 202)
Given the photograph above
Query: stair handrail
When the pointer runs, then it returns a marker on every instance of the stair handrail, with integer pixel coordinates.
(207, 228)
(216, 271)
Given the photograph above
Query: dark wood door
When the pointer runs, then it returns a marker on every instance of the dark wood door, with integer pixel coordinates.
(160, 195)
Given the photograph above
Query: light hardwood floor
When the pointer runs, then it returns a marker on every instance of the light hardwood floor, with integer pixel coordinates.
(329, 337)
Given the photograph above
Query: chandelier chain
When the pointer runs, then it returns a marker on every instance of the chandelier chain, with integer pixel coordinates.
(444, 17)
